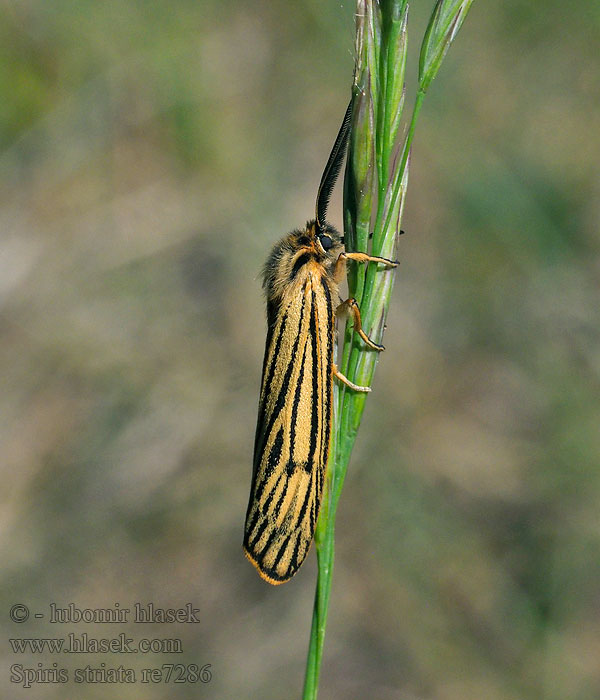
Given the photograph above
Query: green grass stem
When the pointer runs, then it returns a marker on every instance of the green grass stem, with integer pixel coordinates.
(374, 190)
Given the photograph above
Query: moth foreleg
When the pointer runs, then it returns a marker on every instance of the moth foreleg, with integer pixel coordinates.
(359, 257)
(364, 257)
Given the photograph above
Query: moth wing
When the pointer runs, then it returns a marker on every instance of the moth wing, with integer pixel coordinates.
(293, 432)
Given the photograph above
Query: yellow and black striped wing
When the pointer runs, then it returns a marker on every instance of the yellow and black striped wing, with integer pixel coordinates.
(293, 430)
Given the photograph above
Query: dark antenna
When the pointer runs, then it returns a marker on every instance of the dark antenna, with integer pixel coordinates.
(332, 169)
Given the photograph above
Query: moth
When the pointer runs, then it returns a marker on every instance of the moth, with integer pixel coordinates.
(293, 432)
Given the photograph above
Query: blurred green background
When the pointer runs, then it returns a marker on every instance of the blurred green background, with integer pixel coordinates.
(150, 154)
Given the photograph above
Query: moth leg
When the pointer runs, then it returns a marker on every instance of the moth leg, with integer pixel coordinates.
(351, 306)
(338, 269)
(363, 257)
(347, 382)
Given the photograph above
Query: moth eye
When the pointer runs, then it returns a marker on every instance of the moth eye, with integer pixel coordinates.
(326, 242)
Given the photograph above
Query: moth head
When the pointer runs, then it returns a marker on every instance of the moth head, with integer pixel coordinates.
(324, 239)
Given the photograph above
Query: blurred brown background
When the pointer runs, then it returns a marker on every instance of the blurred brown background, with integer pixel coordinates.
(150, 154)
